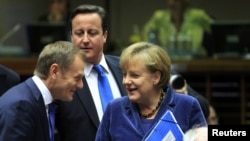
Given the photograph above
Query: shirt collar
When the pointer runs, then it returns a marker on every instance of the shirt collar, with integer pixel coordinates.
(47, 97)
(88, 66)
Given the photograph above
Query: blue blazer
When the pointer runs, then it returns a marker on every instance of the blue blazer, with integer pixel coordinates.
(78, 120)
(121, 120)
(8, 79)
(23, 114)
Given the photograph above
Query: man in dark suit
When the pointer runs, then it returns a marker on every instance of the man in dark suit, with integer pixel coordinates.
(79, 119)
(24, 108)
(8, 78)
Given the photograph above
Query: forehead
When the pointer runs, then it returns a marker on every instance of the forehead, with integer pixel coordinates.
(134, 63)
(77, 65)
(87, 21)
(88, 17)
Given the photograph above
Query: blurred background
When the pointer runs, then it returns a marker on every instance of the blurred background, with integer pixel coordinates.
(124, 14)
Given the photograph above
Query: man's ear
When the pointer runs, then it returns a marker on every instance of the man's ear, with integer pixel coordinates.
(105, 36)
(54, 69)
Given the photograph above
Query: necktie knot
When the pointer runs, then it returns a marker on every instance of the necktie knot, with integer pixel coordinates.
(98, 68)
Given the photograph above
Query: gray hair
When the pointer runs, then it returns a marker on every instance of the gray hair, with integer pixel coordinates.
(59, 52)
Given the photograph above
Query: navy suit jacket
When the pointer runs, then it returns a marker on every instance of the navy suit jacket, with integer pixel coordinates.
(122, 122)
(8, 79)
(23, 114)
(78, 120)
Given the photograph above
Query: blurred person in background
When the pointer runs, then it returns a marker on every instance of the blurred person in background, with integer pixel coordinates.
(58, 11)
(8, 78)
(180, 85)
(180, 26)
(213, 118)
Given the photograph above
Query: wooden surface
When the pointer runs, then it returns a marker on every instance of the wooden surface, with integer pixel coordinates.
(25, 66)
(212, 66)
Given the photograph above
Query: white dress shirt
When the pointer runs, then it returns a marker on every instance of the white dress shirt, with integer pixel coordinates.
(92, 79)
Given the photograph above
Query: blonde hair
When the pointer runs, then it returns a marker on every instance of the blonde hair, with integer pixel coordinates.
(153, 57)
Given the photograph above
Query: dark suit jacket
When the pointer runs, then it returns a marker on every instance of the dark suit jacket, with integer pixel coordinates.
(78, 120)
(23, 114)
(8, 78)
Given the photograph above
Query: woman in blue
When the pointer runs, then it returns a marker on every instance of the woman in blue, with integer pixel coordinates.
(146, 73)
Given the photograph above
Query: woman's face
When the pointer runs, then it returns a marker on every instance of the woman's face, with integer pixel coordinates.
(139, 82)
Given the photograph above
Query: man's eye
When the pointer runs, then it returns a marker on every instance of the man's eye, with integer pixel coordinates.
(78, 33)
(93, 32)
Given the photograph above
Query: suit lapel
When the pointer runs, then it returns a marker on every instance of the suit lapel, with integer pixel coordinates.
(44, 119)
(88, 102)
(116, 71)
(85, 94)
(40, 105)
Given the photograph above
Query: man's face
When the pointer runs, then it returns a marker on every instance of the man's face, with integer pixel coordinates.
(66, 83)
(88, 35)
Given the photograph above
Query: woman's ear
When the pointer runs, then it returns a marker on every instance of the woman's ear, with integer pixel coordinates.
(157, 77)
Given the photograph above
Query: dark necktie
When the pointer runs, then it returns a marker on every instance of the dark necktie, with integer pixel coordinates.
(103, 86)
(51, 121)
